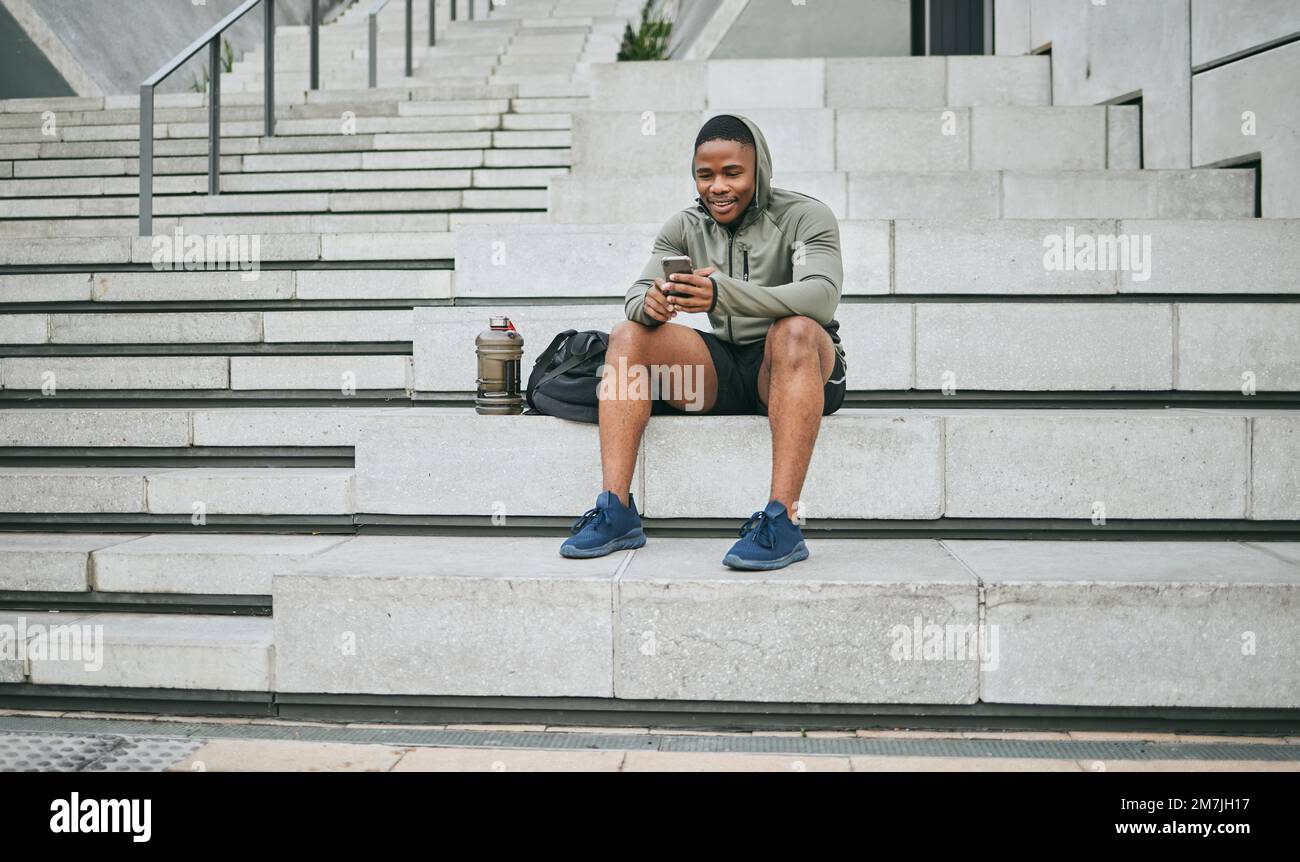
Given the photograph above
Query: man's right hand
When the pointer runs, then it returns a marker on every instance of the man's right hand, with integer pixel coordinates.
(656, 303)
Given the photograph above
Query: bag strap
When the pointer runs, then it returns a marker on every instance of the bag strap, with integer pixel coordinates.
(573, 361)
(553, 348)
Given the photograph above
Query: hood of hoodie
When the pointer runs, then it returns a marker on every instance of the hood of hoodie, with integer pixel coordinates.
(762, 177)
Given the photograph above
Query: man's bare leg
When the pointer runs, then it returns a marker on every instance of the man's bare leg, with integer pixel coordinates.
(623, 419)
(797, 361)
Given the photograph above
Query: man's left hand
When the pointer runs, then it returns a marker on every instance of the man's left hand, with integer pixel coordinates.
(696, 284)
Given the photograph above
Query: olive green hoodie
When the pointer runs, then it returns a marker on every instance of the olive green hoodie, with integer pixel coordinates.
(782, 259)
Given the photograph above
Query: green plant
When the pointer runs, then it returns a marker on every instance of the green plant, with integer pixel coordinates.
(200, 85)
(650, 41)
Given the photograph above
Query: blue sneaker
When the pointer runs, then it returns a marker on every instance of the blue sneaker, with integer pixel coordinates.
(769, 540)
(609, 527)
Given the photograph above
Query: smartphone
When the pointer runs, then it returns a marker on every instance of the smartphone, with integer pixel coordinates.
(677, 264)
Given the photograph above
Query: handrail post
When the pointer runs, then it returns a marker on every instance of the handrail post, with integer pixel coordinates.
(453, 10)
(214, 116)
(433, 22)
(146, 160)
(374, 50)
(471, 10)
(315, 44)
(269, 72)
(409, 28)
(211, 39)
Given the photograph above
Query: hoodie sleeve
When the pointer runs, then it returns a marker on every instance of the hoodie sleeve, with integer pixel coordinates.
(818, 273)
(671, 242)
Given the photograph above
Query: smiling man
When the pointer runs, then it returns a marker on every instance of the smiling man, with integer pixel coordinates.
(768, 274)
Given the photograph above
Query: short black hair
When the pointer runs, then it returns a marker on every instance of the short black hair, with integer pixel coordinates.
(725, 127)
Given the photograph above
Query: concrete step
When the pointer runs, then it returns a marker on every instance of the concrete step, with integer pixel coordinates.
(167, 651)
(51, 562)
(190, 99)
(244, 110)
(988, 138)
(269, 224)
(306, 143)
(162, 149)
(153, 427)
(453, 69)
(576, 88)
(414, 160)
(207, 327)
(248, 146)
(967, 257)
(358, 79)
(858, 82)
(118, 167)
(535, 122)
(168, 563)
(361, 107)
(448, 108)
(1109, 194)
(569, 105)
(861, 621)
(538, 85)
(165, 252)
(540, 61)
(359, 201)
(274, 182)
(54, 373)
(1074, 464)
(291, 161)
(964, 346)
(1085, 465)
(417, 92)
(54, 103)
(336, 373)
(363, 125)
(307, 284)
(193, 491)
(256, 224)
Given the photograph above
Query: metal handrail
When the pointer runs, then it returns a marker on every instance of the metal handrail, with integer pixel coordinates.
(212, 39)
(373, 49)
(315, 44)
(373, 44)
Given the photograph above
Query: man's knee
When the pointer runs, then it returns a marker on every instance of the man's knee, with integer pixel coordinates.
(795, 337)
(628, 335)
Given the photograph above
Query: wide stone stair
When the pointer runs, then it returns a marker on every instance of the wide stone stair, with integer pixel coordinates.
(274, 496)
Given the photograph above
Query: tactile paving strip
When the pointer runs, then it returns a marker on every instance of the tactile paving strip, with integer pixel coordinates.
(47, 752)
(151, 748)
(144, 754)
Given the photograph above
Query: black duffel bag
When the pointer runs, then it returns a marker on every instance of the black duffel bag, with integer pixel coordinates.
(566, 376)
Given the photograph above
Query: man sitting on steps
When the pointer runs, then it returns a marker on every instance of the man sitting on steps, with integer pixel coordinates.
(770, 284)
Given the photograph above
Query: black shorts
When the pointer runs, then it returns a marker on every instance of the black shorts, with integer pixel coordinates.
(737, 367)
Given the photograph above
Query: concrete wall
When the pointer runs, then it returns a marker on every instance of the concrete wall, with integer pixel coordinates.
(820, 28)
(25, 72)
(1205, 69)
(110, 46)
(1112, 52)
(694, 22)
(1248, 107)
(1223, 29)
